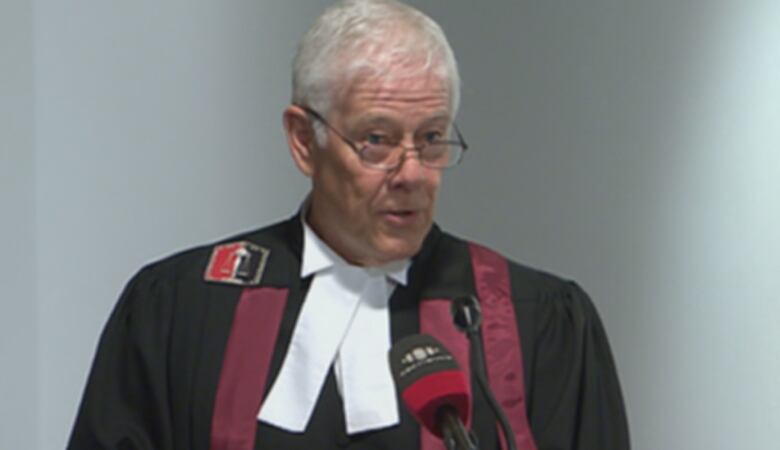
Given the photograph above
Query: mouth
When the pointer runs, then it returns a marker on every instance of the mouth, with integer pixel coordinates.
(401, 217)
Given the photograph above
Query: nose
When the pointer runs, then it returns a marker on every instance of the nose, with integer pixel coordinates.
(410, 172)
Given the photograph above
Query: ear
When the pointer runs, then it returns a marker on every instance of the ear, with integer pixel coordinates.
(300, 138)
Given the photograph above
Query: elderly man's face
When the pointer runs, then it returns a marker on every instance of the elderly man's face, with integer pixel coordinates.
(370, 216)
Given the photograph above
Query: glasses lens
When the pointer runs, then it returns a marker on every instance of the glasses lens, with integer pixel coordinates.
(436, 156)
(441, 155)
(380, 156)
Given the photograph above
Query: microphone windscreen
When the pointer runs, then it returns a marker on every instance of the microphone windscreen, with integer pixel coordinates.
(466, 313)
(429, 379)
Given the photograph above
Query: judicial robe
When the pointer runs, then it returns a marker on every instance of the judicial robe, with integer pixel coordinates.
(157, 368)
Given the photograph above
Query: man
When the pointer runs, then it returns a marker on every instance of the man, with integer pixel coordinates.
(278, 339)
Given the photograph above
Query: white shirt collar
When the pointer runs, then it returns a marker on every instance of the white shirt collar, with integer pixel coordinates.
(318, 256)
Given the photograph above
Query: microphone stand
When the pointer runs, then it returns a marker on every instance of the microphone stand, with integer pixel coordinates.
(455, 435)
(467, 316)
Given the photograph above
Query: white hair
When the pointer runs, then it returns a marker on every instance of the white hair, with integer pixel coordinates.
(357, 38)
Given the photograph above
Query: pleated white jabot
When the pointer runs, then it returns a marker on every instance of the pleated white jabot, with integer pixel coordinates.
(344, 323)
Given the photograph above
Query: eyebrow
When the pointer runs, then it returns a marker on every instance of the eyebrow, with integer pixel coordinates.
(379, 119)
(372, 119)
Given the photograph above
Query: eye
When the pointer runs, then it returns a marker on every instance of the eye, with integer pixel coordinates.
(376, 139)
(433, 136)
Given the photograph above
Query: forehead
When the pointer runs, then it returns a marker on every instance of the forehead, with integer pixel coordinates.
(399, 94)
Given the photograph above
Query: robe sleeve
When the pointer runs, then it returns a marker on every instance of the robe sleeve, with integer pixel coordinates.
(575, 402)
(125, 403)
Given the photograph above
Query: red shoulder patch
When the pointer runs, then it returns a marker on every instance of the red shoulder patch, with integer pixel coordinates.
(240, 263)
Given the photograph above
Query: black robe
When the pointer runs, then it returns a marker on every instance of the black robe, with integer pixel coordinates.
(154, 378)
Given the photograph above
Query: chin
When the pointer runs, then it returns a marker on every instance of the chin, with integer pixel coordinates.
(393, 249)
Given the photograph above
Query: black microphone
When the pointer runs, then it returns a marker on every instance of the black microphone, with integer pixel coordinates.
(433, 388)
(467, 316)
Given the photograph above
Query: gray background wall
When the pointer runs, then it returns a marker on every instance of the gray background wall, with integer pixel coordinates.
(18, 300)
(633, 147)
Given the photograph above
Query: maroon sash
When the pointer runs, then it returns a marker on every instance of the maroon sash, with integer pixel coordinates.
(501, 341)
(245, 368)
(258, 318)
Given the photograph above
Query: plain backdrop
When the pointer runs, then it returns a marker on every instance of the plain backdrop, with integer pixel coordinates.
(632, 146)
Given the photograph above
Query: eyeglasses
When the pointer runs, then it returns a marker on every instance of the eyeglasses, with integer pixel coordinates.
(379, 153)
